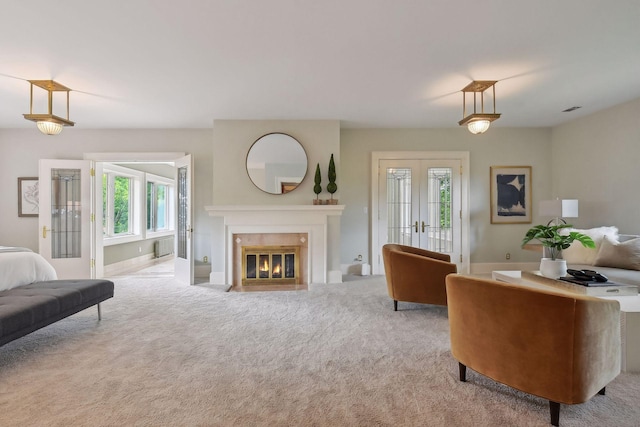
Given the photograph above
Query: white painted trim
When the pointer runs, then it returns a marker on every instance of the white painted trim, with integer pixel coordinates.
(129, 264)
(144, 157)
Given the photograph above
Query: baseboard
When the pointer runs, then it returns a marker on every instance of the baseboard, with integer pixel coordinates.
(129, 264)
(335, 276)
(217, 278)
(487, 268)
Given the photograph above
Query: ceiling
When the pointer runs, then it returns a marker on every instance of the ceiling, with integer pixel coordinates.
(367, 63)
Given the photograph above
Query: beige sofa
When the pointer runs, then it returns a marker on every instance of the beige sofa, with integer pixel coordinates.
(617, 256)
(561, 347)
(416, 275)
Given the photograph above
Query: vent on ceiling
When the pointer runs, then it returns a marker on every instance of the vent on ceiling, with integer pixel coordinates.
(570, 109)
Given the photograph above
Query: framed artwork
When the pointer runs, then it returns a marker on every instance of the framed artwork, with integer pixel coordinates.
(510, 194)
(28, 195)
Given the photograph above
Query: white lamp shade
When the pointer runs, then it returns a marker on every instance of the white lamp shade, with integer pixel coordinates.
(49, 128)
(566, 208)
(478, 126)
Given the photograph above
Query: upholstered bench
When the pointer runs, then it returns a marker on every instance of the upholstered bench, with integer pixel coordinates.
(30, 307)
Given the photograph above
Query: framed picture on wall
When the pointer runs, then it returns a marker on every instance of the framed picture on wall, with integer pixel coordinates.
(28, 196)
(510, 194)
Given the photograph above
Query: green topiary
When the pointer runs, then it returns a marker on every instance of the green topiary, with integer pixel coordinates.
(332, 187)
(317, 188)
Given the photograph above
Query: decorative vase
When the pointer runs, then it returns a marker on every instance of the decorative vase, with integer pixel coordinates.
(553, 268)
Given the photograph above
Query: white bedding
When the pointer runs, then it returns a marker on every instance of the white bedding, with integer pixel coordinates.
(21, 266)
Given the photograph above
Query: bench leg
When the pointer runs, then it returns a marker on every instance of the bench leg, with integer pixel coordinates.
(99, 312)
(395, 305)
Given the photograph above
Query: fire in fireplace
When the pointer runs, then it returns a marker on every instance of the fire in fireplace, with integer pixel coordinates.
(263, 265)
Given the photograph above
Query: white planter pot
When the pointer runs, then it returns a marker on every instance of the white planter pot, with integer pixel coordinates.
(553, 268)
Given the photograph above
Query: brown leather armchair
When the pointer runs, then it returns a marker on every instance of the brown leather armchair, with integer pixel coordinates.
(416, 275)
(563, 347)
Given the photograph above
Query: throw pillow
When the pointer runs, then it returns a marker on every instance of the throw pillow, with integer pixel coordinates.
(619, 254)
(578, 254)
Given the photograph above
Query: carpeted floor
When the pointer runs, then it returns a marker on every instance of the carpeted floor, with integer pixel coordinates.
(336, 355)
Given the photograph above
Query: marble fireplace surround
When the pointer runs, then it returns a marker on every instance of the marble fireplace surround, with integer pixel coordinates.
(319, 222)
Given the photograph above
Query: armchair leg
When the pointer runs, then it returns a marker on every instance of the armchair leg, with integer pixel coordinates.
(395, 305)
(554, 409)
(463, 372)
(601, 392)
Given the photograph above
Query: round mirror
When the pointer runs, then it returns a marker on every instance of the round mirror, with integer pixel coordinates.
(276, 163)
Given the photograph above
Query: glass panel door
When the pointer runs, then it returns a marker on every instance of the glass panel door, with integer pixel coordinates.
(439, 211)
(420, 205)
(399, 205)
(66, 212)
(184, 262)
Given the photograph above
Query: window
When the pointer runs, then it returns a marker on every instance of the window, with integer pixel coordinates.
(136, 205)
(159, 204)
(120, 202)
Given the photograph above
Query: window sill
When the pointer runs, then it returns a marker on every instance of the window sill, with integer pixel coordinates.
(117, 240)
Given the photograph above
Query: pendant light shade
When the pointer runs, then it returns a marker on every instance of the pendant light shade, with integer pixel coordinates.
(49, 124)
(478, 122)
(49, 128)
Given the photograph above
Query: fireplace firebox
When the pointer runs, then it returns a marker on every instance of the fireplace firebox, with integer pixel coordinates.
(264, 265)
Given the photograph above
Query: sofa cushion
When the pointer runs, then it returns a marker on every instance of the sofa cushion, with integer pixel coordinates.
(578, 254)
(619, 254)
(19, 311)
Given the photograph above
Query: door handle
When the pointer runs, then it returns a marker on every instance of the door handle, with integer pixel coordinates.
(423, 226)
(416, 226)
(44, 231)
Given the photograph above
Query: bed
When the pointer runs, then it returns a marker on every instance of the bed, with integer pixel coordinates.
(21, 266)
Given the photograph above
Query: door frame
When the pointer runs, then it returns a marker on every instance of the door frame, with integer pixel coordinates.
(463, 157)
(115, 157)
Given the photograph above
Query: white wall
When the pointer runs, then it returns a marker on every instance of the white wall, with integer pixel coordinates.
(596, 159)
(498, 147)
(20, 150)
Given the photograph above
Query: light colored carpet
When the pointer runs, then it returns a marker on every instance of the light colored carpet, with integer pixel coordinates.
(335, 355)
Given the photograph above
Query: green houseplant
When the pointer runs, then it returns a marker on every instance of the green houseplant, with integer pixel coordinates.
(317, 188)
(551, 238)
(332, 187)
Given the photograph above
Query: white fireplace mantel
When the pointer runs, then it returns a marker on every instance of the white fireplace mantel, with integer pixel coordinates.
(311, 219)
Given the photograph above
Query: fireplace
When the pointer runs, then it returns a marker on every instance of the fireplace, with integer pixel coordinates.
(316, 229)
(256, 255)
(270, 265)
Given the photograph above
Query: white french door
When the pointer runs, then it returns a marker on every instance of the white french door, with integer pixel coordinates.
(420, 203)
(184, 262)
(66, 212)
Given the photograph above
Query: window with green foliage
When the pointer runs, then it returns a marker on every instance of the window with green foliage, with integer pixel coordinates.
(121, 205)
(119, 202)
(135, 204)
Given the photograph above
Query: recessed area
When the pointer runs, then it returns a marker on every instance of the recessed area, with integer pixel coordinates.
(270, 259)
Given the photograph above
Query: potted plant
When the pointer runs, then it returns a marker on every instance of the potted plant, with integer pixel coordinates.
(551, 238)
(332, 187)
(317, 188)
